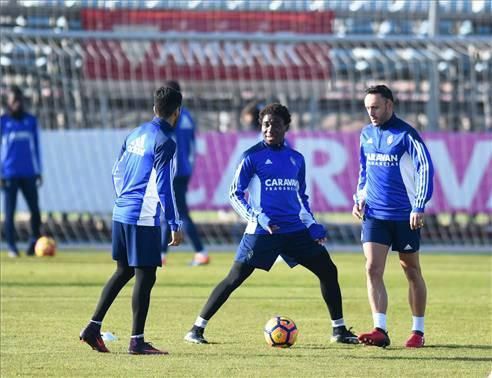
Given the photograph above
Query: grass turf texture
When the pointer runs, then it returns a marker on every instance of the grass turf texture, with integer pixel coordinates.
(46, 301)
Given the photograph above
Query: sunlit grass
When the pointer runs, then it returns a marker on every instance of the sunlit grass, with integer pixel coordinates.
(46, 301)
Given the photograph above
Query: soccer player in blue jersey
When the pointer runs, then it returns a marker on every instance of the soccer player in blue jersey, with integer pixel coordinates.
(142, 179)
(395, 183)
(184, 134)
(280, 222)
(20, 167)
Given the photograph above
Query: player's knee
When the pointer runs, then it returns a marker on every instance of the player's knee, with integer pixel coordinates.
(238, 273)
(233, 280)
(332, 270)
(126, 273)
(150, 276)
(412, 272)
(146, 281)
(146, 276)
(329, 279)
(324, 269)
(374, 271)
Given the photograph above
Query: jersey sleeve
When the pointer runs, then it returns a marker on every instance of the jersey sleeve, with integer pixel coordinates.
(192, 144)
(165, 167)
(361, 192)
(306, 215)
(37, 149)
(239, 186)
(2, 157)
(116, 173)
(424, 168)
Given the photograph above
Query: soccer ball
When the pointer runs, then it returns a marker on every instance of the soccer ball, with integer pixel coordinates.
(45, 246)
(280, 332)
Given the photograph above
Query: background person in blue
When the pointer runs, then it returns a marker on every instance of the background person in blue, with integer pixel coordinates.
(184, 134)
(280, 222)
(142, 179)
(395, 183)
(20, 167)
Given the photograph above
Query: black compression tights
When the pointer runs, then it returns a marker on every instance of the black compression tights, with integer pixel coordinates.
(144, 281)
(120, 277)
(238, 273)
(322, 266)
(326, 271)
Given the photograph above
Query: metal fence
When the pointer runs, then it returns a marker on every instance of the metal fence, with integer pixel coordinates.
(94, 65)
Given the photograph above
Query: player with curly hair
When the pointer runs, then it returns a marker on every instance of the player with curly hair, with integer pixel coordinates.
(280, 222)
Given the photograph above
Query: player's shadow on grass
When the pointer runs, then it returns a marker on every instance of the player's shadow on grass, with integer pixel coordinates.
(329, 346)
(312, 347)
(52, 284)
(454, 346)
(432, 358)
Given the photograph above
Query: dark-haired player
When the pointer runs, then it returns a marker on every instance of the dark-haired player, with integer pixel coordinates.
(280, 222)
(142, 179)
(20, 167)
(395, 182)
(184, 134)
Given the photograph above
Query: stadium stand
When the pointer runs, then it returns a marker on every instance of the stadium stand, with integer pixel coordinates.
(90, 65)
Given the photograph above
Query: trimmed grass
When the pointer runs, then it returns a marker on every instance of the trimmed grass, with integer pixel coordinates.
(46, 301)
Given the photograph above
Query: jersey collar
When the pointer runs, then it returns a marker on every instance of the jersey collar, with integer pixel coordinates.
(17, 115)
(163, 124)
(274, 146)
(388, 123)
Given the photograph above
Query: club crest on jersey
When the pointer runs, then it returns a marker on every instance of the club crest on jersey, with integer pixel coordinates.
(389, 140)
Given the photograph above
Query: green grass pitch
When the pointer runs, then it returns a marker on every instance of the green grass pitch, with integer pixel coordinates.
(46, 301)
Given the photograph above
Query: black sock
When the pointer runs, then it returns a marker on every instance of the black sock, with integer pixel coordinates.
(95, 326)
(339, 329)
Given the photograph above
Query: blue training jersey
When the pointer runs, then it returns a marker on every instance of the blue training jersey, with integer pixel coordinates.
(396, 171)
(274, 177)
(185, 140)
(143, 176)
(19, 151)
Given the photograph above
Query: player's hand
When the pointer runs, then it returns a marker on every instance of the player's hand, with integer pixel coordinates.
(358, 210)
(318, 233)
(416, 220)
(264, 222)
(176, 238)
